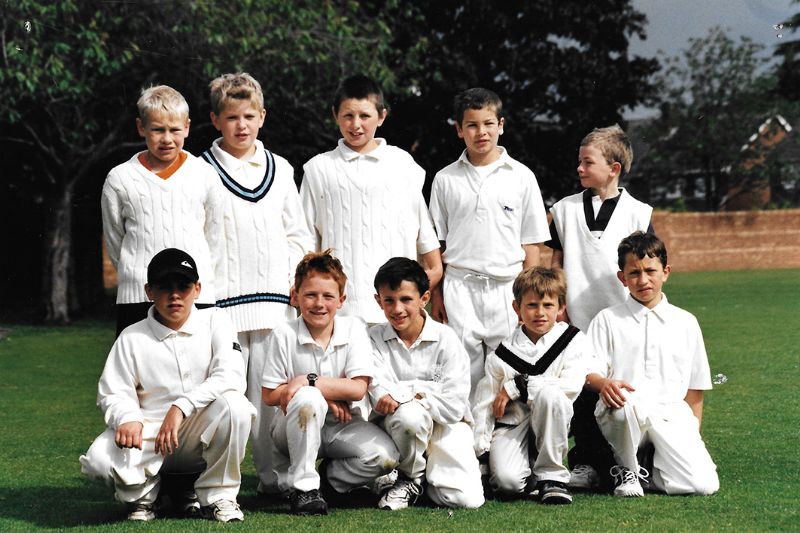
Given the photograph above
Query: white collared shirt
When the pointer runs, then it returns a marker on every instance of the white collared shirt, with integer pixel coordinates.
(659, 351)
(152, 367)
(485, 219)
(247, 172)
(435, 366)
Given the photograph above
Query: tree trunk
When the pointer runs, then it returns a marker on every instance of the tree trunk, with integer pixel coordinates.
(56, 259)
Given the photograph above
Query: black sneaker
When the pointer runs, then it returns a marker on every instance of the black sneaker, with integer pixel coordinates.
(308, 502)
(552, 492)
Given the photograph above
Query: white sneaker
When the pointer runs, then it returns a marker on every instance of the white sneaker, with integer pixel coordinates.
(404, 493)
(384, 482)
(141, 512)
(223, 511)
(583, 477)
(627, 481)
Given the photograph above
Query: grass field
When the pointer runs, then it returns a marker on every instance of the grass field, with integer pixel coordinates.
(751, 320)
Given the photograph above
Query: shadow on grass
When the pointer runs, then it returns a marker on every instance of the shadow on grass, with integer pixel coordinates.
(60, 507)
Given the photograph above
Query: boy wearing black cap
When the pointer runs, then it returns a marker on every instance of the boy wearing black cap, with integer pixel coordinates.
(172, 395)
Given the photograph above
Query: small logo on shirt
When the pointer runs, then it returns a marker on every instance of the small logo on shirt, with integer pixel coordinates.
(438, 373)
(508, 209)
(237, 347)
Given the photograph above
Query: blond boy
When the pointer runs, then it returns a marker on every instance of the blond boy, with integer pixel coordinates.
(160, 198)
(264, 237)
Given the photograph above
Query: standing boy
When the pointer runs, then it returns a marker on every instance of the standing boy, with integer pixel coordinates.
(585, 231)
(163, 197)
(264, 238)
(489, 214)
(523, 404)
(420, 394)
(364, 198)
(172, 396)
(319, 365)
(650, 371)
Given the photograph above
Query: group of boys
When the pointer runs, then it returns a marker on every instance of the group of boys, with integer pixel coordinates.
(394, 401)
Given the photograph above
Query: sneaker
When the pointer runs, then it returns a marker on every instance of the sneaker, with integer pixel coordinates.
(552, 492)
(308, 502)
(142, 512)
(223, 511)
(404, 493)
(384, 482)
(583, 477)
(627, 481)
(187, 504)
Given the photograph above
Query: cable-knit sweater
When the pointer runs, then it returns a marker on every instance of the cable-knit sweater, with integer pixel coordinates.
(368, 208)
(264, 237)
(144, 214)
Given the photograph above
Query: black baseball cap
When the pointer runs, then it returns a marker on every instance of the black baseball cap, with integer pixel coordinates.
(171, 262)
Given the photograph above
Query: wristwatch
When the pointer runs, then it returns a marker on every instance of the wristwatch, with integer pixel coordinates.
(312, 379)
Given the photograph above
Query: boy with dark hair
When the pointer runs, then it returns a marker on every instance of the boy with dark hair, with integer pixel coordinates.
(489, 215)
(319, 365)
(650, 371)
(364, 198)
(523, 403)
(172, 396)
(420, 394)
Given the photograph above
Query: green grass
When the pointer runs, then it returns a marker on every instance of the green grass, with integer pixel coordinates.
(48, 379)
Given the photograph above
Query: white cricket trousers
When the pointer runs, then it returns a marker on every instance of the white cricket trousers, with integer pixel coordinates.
(440, 453)
(681, 463)
(212, 441)
(359, 450)
(254, 352)
(511, 447)
(479, 311)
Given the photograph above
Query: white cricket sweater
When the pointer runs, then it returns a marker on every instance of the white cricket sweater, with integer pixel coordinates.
(263, 239)
(144, 214)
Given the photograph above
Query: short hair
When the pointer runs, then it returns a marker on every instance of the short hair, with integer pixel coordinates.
(238, 86)
(320, 263)
(641, 244)
(542, 281)
(359, 87)
(476, 98)
(613, 143)
(162, 99)
(399, 269)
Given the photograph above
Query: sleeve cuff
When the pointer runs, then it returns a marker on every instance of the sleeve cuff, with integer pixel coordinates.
(185, 406)
(511, 389)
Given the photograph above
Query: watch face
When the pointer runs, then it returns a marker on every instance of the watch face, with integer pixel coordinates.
(312, 378)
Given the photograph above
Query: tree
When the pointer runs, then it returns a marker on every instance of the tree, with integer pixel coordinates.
(712, 98)
(789, 51)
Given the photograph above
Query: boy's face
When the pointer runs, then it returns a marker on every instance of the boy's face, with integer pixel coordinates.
(403, 306)
(318, 299)
(593, 170)
(164, 136)
(358, 119)
(480, 129)
(173, 299)
(538, 313)
(644, 278)
(239, 123)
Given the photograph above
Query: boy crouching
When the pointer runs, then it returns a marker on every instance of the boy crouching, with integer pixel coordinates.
(525, 398)
(172, 394)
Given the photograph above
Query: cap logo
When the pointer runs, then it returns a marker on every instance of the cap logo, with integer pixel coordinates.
(186, 264)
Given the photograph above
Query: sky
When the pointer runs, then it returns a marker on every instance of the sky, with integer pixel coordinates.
(672, 22)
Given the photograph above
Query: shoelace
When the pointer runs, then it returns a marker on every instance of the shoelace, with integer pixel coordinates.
(226, 505)
(624, 475)
(582, 470)
(409, 487)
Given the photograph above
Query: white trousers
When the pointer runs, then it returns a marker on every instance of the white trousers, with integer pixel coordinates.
(440, 453)
(479, 311)
(681, 463)
(212, 441)
(254, 352)
(359, 450)
(511, 450)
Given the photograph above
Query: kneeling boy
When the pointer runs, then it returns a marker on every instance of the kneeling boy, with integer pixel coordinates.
(651, 370)
(526, 396)
(172, 393)
(318, 366)
(420, 394)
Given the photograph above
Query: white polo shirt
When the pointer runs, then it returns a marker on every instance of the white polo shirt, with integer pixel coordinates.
(659, 351)
(152, 367)
(486, 218)
(435, 366)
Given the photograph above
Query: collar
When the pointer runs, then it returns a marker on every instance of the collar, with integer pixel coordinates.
(339, 337)
(546, 340)
(428, 333)
(504, 158)
(639, 311)
(258, 159)
(162, 332)
(349, 154)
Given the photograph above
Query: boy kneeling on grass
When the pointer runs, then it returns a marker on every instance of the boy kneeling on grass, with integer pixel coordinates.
(651, 370)
(172, 394)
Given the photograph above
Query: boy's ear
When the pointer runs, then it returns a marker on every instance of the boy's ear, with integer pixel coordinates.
(458, 131)
(293, 297)
(500, 123)
(515, 305)
(263, 117)
(621, 277)
(335, 115)
(197, 288)
(342, 298)
(188, 123)
(425, 298)
(140, 127)
(147, 290)
(214, 120)
(382, 116)
(616, 168)
(378, 300)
